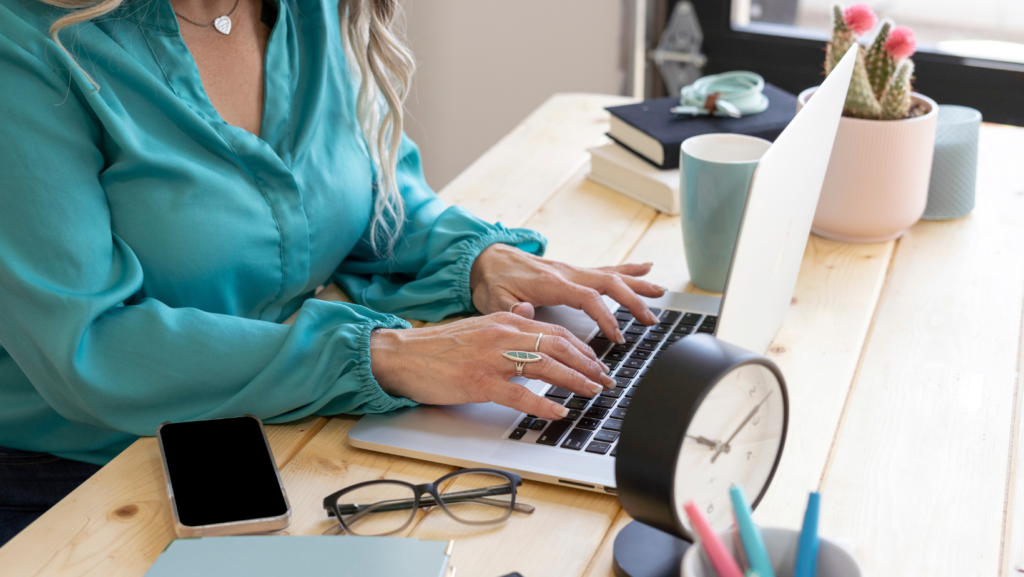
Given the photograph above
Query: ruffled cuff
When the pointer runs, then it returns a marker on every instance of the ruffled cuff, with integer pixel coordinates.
(376, 400)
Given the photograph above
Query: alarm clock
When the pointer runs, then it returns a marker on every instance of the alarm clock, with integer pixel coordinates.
(708, 415)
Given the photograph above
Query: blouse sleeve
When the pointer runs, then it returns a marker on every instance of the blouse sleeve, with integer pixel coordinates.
(65, 279)
(427, 277)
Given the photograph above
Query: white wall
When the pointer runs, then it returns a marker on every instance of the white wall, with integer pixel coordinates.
(484, 65)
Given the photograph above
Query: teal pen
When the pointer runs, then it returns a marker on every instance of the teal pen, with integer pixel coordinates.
(807, 551)
(750, 535)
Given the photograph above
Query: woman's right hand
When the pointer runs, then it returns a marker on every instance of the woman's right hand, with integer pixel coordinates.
(462, 362)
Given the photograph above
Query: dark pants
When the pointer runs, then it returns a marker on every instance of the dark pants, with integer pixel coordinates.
(31, 483)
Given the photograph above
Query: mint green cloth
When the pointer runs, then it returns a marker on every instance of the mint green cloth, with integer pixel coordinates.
(149, 250)
(284, 556)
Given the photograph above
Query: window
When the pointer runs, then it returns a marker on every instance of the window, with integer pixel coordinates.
(971, 55)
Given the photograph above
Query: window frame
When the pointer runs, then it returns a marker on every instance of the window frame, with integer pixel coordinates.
(792, 59)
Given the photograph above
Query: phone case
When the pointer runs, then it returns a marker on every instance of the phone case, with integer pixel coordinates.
(236, 527)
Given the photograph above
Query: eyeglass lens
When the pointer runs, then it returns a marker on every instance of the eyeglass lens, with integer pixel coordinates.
(377, 509)
(476, 498)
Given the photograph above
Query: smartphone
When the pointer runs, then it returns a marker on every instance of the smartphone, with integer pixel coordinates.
(222, 478)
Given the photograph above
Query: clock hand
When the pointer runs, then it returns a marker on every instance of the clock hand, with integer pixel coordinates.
(724, 448)
(705, 441)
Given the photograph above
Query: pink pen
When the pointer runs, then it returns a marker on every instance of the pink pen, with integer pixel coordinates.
(719, 556)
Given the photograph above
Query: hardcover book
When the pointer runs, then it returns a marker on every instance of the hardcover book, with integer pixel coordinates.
(651, 131)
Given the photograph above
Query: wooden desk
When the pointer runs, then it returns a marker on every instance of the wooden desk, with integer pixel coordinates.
(902, 360)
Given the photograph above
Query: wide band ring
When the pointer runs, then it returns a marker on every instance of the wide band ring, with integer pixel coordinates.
(537, 346)
(521, 358)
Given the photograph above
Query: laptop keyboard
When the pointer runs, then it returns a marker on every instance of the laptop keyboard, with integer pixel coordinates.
(593, 424)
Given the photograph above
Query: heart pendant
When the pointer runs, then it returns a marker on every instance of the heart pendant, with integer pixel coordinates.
(223, 25)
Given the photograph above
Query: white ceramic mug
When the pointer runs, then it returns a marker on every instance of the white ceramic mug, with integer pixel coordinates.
(833, 560)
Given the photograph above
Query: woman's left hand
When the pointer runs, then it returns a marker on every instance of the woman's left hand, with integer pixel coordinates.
(506, 279)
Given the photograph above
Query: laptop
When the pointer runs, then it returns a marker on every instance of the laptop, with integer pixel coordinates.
(579, 451)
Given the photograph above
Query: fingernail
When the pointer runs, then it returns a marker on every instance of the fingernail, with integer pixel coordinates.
(652, 318)
(619, 339)
(595, 388)
(560, 410)
(663, 289)
(608, 382)
(648, 264)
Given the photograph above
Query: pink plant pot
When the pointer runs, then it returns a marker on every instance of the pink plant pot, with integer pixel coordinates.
(876, 185)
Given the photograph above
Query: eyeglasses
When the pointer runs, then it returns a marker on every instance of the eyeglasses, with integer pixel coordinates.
(472, 496)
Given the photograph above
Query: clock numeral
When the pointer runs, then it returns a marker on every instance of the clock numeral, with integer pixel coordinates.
(711, 508)
(751, 392)
(756, 420)
(750, 455)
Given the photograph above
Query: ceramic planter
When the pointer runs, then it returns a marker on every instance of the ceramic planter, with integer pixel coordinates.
(876, 185)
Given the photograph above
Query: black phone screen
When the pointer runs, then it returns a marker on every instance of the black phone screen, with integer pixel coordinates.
(221, 471)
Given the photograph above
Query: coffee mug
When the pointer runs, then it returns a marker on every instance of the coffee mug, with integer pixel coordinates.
(715, 173)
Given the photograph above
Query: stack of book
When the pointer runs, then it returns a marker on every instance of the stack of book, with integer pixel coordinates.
(643, 162)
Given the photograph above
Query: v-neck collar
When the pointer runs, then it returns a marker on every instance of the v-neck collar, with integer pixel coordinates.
(182, 74)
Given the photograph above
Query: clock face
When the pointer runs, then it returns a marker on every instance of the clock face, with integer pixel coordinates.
(734, 438)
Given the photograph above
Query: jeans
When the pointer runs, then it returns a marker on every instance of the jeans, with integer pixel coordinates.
(31, 483)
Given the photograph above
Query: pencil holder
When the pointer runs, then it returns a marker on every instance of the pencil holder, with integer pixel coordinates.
(955, 165)
(833, 560)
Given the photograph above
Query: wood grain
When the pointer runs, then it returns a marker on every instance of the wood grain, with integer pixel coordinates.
(518, 174)
(119, 521)
(918, 475)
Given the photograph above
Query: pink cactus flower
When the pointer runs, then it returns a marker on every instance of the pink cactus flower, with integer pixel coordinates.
(859, 18)
(901, 43)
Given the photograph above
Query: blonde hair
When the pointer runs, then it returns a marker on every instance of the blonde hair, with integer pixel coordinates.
(385, 65)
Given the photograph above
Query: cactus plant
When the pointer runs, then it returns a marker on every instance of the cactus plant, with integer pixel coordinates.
(881, 84)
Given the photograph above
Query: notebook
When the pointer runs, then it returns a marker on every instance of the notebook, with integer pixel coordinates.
(281, 555)
(651, 131)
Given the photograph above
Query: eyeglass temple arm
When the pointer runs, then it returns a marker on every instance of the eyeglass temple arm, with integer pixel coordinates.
(474, 495)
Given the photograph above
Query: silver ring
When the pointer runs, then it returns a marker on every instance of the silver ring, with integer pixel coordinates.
(511, 308)
(537, 346)
(521, 358)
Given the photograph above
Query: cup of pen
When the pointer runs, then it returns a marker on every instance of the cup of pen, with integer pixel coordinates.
(781, 545)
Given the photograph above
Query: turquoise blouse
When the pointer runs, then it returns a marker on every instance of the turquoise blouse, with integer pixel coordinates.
(149, 250)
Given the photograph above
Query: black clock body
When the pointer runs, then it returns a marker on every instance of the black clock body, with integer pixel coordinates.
(656, 425)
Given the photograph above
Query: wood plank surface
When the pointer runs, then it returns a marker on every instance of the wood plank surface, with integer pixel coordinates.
(518, 174)
(119, 521)
(918, 476)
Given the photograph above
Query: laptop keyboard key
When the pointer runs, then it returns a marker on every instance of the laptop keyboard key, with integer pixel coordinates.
(558, 393)
(690, 319)
(588, 424)
(647, 346)
(600, 346)
(631, 338)
(615, 355)
(624, 403)
(576, 439)
(670, 316)
(538, 425)
(658, 337)
(626, 372)
(619, 413)
(606, 436)
(604, 402)
(576, 403)
(554, 433)
(636, 330)
(596, 413)
(624, 316)
(631, 392)
(662, 328)
(633, 363)
(517, 434)
(615, 449)
(598, 447)
(613, 393)
(673, 338)
(572, 416)
(706, 329)
(621, 382)
(623, 348)
(655, 311)
(612, 425)
(526, 422)
(638, 354)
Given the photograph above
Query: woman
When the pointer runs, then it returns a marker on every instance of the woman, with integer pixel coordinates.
(180, 176)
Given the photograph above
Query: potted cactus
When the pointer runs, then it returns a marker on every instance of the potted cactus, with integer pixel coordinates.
(876, 185)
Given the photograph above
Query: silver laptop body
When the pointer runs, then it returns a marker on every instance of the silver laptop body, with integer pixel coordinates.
(773, 234)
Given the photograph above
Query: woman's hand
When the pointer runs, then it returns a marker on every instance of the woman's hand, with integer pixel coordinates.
(462, 362)
(503, 276)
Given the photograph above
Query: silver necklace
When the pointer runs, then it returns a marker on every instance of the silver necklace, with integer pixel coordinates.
(222, 23)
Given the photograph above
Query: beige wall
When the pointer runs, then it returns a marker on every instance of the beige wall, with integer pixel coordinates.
(485, 64)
